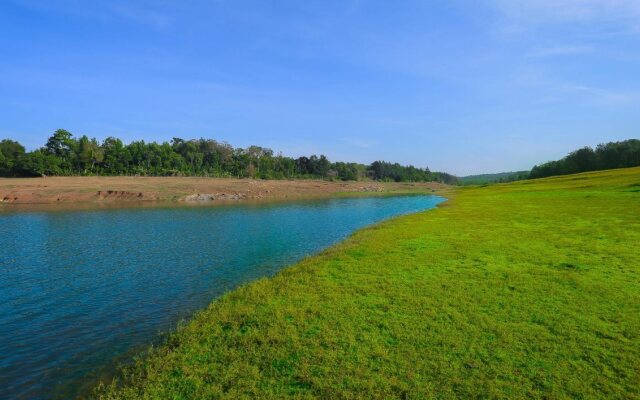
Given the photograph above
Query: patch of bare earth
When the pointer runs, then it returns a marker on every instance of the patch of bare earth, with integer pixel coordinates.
(183, 189)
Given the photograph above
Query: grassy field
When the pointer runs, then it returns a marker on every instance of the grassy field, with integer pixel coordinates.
(523, 290)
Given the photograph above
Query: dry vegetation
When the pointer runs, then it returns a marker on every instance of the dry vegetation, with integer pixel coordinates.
(162, 189)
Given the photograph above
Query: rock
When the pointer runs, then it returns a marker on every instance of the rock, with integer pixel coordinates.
(371, 189)
(203, 197)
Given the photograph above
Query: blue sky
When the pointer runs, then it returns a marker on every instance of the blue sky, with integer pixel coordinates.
(462, 86)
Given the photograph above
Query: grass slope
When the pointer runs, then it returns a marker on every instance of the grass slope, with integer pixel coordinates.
(523, 290)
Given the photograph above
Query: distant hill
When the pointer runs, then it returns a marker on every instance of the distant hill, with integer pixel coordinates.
(493, 178)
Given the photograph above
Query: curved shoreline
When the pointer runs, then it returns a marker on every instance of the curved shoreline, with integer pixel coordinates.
(114, 369)
(494, 293)
(331, 219)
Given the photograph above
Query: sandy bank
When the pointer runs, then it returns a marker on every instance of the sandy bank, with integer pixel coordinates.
(52, 190)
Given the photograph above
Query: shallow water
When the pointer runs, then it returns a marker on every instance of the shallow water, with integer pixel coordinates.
(80, 288)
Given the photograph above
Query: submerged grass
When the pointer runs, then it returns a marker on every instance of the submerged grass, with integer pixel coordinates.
(522, 290)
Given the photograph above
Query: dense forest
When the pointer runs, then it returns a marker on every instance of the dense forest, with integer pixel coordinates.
(65, 155)
(610, 155)
(605, 156)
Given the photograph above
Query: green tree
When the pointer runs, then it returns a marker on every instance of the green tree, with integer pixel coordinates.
(64, 155)
(39, 163)
(10, 152)
(606, 156)
(5, 168)
(89, 154)
(116, 157)
(62, 145)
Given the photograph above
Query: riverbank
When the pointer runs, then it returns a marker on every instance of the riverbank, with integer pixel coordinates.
(522, 290)
(56, 190)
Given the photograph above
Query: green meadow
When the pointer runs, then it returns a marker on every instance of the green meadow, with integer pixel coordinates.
(522, 290)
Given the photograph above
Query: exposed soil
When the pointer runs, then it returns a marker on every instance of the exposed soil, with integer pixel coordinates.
(53, 190)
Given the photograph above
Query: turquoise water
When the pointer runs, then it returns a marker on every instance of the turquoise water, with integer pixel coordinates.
(78, 289)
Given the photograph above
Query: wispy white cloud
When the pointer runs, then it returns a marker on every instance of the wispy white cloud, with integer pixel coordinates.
(142, 16)
(623, 15)
(147, 14)
(572, 10)
(554, 51)
(388, 121)
(607, 97)
(360, 143)
(553, 90)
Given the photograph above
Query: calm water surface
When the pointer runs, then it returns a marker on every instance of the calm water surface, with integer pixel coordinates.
(77, 289)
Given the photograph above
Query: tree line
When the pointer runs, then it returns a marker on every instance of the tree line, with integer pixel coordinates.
(612, 155)
(65, 155)
(485, 179)
(605, 156)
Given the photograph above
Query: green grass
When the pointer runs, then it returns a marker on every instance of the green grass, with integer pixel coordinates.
(522, 290)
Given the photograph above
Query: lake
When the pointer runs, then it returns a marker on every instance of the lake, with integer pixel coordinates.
(82, 289)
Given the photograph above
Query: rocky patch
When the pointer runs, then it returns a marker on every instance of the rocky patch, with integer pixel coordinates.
(203, 197)
(123, 195)
(370, 189)
(10, 198)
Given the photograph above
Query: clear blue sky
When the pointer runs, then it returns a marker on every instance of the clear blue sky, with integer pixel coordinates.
(461, 86)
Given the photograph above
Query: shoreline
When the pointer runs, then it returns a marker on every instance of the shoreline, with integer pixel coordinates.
(413, 294)
(88, 192)
(100, 380)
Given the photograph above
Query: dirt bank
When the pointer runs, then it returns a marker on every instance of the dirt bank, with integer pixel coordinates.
(52, 190)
